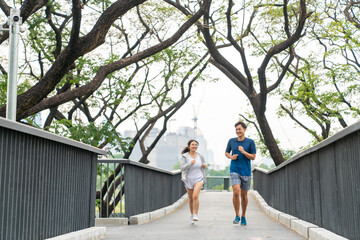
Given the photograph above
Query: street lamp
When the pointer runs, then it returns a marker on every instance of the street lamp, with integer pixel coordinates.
(14, 22)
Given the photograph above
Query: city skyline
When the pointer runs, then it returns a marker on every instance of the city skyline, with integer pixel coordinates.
(167, 151)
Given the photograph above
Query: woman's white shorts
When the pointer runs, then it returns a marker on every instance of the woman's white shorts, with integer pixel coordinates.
(189, 183)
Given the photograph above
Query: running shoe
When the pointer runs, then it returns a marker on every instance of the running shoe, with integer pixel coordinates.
(191, 219)
(236, 220)
(243, 221)
(195, 217)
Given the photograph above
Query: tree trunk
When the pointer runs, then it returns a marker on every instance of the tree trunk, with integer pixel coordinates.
(268, 136)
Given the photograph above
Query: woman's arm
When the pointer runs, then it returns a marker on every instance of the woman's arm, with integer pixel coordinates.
(184, 164)
(203, 162)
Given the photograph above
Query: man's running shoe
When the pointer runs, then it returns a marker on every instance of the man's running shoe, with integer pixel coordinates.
(243, 221)
(236, 220)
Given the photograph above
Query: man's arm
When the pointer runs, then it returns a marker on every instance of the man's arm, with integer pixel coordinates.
(232, 157)
(250, 156)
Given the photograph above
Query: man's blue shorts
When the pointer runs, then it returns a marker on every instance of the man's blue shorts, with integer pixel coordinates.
(243, 181)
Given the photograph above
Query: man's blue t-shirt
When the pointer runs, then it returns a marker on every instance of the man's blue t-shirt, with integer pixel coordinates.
(241, 165)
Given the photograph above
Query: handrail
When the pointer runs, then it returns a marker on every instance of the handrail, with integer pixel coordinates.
(23, 128)
(218, 184)
(138, 188)
(320, 185)
(332, 139)
(135, 163)
(47, 183)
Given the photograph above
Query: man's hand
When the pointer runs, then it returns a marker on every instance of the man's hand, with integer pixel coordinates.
(246, 154)
(234, 156)
(204, 165)
(241, 149)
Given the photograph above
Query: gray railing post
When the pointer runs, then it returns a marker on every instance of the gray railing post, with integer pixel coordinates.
(226, 184)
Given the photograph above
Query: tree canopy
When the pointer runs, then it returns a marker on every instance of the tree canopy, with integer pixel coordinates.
(95, 64)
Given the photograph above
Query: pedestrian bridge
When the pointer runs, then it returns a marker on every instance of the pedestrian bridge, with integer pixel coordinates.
(215, 222)
(50, 187)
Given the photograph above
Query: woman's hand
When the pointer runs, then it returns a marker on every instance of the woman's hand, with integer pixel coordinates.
(192, 162)
(204, 165)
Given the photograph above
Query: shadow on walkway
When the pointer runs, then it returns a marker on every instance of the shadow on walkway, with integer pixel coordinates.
(216, 215)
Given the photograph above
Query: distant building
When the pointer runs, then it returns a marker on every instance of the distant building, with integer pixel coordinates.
(210, 157)
(38, 120)
(167, 151)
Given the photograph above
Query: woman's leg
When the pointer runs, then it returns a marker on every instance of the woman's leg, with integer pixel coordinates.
(191, 202)
(195, 196)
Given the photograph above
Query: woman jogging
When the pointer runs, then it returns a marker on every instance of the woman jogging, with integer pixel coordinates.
(193, 175)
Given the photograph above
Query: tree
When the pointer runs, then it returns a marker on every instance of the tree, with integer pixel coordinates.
(225, 27)
(78, 44)
(261, 147)
(101, 70)
(325, 80)
(166, 110)
(51, 42)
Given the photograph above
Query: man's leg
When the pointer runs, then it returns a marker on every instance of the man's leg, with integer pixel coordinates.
(244, 202)
(236, 198)
(245, 186)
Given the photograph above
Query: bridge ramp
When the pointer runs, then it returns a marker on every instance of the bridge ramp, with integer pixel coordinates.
(216, 215)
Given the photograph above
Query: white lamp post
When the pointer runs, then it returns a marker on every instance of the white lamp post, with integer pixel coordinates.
(14, 29)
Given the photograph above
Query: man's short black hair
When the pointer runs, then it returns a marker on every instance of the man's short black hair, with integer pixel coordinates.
(241, 123)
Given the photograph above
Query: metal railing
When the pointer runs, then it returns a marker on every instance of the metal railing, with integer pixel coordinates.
(110, 203)
(47, 183)
(217, 183)
(133, 188)
(319, 185)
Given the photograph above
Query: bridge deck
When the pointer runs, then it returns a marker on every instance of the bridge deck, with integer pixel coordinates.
(216, 214)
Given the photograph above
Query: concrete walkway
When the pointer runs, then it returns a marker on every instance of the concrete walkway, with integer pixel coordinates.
(216, 215)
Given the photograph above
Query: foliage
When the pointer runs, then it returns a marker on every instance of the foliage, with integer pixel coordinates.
(264, 166)
(94, 68)
(91, 134)
(22, 86)
(214, 183)
(249, 118)
(177, 166)
(222, 172)
(138, 93)
(319, 91)
(323, 83)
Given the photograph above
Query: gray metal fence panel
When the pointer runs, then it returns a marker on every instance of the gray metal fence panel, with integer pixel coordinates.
(217, 183)
(47, 187)
(347, 155)
(147, 190)
(320, 185)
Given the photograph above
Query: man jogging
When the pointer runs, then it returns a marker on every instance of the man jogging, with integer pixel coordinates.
(240, 150)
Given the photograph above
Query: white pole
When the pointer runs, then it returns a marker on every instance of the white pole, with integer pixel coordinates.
(14, 26)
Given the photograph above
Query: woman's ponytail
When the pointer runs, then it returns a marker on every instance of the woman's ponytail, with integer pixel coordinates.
(187, 149)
